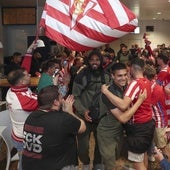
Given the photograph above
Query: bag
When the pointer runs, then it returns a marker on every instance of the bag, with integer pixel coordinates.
(95, 101)
(95, 107)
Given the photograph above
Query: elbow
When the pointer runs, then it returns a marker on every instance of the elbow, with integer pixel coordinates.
(123, 108)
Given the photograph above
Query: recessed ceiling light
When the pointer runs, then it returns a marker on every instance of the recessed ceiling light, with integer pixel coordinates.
(159, 13)
(153, 18)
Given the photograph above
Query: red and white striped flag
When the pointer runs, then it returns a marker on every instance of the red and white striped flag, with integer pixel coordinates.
(82, 25)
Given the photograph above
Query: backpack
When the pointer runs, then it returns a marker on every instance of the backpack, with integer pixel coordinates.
(95, 103)
(95, 107)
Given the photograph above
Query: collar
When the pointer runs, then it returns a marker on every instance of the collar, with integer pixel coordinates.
(118, 87)
(164, 67)
(22, 88)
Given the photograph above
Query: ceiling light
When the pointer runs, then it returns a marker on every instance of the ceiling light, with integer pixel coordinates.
(159, 13)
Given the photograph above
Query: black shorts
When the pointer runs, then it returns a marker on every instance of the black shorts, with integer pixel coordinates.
(140, 136)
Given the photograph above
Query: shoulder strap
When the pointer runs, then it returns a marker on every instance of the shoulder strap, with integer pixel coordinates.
(103, 77)
(91, 83)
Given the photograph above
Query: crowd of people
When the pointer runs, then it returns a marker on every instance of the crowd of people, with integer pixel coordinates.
(52, 124)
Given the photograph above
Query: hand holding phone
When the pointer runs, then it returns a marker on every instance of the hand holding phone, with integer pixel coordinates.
(65, 62)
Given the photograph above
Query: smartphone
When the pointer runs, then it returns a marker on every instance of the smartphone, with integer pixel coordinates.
(56, 72)
(65, 62)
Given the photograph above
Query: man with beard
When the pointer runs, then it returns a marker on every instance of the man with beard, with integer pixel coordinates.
(85, 85)
(21, 102)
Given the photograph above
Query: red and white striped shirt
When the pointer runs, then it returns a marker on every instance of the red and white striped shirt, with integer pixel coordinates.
(144, 112)
(158, 106)
(163, 79)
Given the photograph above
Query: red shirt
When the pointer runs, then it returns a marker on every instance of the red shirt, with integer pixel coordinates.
(163, 79)
(144, 112)
(158, 106)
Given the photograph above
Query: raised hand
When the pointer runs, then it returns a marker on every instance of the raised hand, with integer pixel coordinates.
(67, 104)
(104, 88)
(142, 95)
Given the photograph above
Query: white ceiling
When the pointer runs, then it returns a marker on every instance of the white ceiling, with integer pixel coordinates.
(148, 9)
(144, 9)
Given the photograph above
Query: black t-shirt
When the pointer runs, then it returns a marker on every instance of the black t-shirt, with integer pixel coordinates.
(50, 140)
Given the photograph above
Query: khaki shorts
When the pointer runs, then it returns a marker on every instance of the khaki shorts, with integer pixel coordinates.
(135, 157)
(160, 137)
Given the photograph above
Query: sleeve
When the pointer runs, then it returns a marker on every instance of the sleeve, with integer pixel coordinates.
(28, 101)
(107, 102)
(77, 91)
(165, 165)
(132, 90)
(157, 94)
